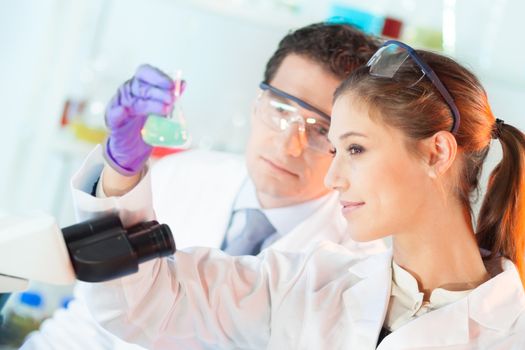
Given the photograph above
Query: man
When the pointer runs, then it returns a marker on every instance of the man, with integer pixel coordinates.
(275, 198)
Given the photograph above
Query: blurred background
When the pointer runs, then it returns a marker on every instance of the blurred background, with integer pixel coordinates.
(62, 60)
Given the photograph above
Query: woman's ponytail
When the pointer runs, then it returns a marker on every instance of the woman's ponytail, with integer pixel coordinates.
(501, 221)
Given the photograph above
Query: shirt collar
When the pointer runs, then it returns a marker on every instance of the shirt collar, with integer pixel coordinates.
(284, 219)
(406, 288)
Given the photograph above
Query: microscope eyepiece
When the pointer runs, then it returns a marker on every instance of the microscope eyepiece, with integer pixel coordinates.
(101, 249)
(151, 240)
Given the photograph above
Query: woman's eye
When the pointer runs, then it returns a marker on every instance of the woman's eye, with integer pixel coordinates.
(355, 149)
(332, 152)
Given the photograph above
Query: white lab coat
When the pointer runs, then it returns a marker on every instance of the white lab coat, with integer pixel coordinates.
(326, 298)
(193, 193)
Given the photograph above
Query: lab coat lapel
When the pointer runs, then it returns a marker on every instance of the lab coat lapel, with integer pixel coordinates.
(210, 220)
(205, 190)
(325, 224)
(366, 302)
(429, 330)
(496, 305)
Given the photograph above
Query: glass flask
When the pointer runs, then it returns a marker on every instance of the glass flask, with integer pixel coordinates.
(170, 131)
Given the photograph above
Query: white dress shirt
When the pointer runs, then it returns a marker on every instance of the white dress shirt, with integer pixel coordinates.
(284, 219)
(406, 301)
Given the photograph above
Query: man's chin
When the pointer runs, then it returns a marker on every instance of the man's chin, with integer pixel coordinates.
(277, 196)
(279, 192)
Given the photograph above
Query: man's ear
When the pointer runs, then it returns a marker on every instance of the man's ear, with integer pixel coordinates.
(439, 153)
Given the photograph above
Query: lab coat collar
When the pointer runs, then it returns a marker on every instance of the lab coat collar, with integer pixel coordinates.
(427, 330)
(492, 304)
(495, 307)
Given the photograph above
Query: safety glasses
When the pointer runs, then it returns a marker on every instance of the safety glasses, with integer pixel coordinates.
(390, 57)
(279, 110)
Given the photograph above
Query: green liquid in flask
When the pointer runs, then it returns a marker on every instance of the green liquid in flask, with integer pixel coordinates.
(165, 132)
(168, 131)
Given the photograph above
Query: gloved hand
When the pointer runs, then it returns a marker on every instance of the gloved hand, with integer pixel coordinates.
(150, 91)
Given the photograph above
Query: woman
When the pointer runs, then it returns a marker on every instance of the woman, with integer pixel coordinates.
(410, 133)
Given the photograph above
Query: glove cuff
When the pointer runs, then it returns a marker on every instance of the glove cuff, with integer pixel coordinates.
(113, 163)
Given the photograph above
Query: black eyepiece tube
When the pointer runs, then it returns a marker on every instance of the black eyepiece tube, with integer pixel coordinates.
(151, 240)
(91, 227)
(101, 249)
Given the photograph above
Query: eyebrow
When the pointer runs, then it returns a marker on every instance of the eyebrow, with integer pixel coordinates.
(351, 133)
(279, 97)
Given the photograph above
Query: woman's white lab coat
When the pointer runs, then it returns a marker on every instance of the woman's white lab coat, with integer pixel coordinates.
(324, 299)
(204, 299)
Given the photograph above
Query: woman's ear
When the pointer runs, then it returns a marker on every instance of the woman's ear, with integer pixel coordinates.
(440, 152)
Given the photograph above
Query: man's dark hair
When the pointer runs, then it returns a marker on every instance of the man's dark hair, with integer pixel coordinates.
(339, 48)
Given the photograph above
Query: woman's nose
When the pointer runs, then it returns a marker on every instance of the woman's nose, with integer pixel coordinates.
(334, 178)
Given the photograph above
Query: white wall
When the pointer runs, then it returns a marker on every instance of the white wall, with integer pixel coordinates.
(54, 49)
(41, 42)
(49, 46)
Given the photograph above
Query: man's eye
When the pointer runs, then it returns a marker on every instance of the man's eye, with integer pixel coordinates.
(282, 108)
(332, 152)
(317, 127)
(322, 130)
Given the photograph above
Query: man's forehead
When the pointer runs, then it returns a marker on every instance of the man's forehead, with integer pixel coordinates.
(307, 80)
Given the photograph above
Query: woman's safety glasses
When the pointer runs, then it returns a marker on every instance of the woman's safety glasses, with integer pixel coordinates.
(280, 110)
(387, 61)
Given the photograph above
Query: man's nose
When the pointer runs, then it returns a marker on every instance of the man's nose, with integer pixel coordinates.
(294, 139)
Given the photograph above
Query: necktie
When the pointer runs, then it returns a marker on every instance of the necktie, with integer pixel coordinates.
(253, 235)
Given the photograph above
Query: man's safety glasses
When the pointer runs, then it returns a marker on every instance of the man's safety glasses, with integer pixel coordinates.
(280, 110)
(390, 57)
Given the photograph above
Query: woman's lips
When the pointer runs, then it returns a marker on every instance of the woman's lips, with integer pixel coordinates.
(349, 207)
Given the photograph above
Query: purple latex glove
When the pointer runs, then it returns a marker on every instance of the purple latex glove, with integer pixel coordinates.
(150, 91)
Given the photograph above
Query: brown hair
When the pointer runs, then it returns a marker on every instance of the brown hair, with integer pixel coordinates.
(417, 108)
(339, 48)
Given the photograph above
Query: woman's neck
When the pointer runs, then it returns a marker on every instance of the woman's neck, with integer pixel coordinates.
(441, 251)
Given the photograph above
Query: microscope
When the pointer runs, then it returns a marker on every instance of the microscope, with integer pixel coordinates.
(97, 250)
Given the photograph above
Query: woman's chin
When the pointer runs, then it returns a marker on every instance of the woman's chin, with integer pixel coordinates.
(363, 235)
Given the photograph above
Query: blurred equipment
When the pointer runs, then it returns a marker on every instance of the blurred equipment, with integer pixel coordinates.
(25, 317)
(366, 21)
(34, 248)
(93, 251)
